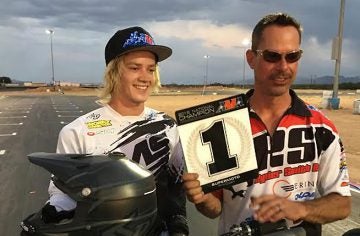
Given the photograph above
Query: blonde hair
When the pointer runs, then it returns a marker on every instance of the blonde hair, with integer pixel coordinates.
(112, 77)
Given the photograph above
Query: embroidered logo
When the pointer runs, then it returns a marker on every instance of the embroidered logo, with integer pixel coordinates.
(138, 39)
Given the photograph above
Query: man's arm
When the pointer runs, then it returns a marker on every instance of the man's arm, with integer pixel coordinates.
(59, 202)
(327, 209)
(322, 210)
(207, 204)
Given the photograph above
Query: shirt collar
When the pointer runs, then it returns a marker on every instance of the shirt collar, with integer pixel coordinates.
(298, 106)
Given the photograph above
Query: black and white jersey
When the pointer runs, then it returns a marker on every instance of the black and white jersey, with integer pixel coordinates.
(150, 139)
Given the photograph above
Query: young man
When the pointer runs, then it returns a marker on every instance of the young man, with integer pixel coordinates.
(302, 170)
(124, 124)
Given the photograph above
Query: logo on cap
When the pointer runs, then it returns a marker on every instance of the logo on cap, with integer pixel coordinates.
(138, 39)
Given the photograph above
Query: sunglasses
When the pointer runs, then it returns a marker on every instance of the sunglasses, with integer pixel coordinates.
(273, 57)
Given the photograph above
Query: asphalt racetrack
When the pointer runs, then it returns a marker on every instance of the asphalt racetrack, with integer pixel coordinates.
(31, 124)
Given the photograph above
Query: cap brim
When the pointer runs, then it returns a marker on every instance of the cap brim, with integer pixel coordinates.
(161, 52)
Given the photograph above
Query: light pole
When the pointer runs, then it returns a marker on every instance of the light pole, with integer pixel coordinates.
(51, 32)
(206, 73)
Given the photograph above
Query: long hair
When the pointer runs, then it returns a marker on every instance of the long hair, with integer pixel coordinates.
(112, 78)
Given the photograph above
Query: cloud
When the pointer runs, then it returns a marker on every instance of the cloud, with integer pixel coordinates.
(212, 35)
(192, 28)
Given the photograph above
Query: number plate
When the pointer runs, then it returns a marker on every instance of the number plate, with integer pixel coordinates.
(217, 142)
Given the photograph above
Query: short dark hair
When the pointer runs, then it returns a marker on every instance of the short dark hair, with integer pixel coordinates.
(280, 19)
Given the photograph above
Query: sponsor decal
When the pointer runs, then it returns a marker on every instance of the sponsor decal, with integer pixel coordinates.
(315, 167)
(305, 196)
(288, 171)
(230, 104)
(93, 116)
(105, 131)
(98, 124)
(282, 188)
(267, 176)
(138, 39)
(101, 132)
(285, 189)
(343, 164)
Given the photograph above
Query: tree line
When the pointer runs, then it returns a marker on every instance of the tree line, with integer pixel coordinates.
(5, 80)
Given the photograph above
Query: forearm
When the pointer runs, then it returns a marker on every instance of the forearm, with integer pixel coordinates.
(326, 209)
(211, 207)
(323, 210)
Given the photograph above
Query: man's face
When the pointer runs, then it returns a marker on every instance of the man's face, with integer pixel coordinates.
(137, 78)
(275, 78)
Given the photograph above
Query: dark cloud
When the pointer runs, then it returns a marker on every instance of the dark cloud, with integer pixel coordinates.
(82, 28)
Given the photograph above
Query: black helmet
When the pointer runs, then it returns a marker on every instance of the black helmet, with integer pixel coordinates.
(114, 195)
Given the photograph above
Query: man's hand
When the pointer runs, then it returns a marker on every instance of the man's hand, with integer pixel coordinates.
(192, 188)
(271, 208)
(207, 204)
(321, 210)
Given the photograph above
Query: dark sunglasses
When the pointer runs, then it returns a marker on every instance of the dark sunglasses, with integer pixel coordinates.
(273, 57)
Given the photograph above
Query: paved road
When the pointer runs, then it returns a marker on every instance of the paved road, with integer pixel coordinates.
(31, 124)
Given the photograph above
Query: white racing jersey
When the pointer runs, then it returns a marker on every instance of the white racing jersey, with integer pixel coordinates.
(150, 139)
(303, 160)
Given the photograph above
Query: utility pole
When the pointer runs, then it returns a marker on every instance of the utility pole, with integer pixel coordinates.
(334, 102)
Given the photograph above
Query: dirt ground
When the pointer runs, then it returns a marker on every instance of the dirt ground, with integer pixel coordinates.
(347, 123)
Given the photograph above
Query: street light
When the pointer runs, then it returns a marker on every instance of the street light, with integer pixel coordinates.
(245, 44)
(206, 73)
(51, 32)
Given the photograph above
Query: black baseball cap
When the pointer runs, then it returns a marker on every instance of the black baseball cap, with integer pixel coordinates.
(134, 39)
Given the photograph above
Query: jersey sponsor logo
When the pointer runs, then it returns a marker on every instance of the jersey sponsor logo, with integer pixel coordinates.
(147, 143)
(285, 189)
(282, 188)
(262, 178)
(93, 116)
(288, 171)
(101, 132)
(98, 124)
(305, 196)
(152, 149)
(293, 145)
(343, 164)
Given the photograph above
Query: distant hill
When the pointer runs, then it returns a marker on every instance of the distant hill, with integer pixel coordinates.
(327, 80)
(321, 80)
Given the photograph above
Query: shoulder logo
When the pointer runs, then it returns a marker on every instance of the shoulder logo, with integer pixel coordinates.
(98, 124)
(93, 116)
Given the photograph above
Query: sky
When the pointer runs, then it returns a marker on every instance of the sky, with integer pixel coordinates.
(192, 28)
